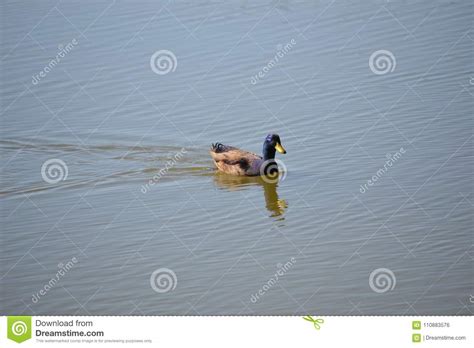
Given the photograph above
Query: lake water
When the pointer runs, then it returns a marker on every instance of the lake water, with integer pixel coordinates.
(373, 101)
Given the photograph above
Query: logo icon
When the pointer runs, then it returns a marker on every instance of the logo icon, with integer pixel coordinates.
(416, 338)
(19, 328)
(416, 325)
(163, 280)
(382, 280)
(270, 171)
(54, 170)
(163, 62)
(382, 62)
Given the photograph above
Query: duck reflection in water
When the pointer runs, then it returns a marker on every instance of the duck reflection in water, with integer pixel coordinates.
(275, 205)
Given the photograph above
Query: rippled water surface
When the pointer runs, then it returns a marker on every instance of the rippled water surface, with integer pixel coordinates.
(373, 101)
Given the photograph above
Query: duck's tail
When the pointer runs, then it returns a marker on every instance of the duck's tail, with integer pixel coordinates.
(218, 147)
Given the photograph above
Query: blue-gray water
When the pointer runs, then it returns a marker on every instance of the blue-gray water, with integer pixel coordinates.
(115, 123)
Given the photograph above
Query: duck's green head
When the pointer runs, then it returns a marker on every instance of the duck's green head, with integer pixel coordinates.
(272, 142)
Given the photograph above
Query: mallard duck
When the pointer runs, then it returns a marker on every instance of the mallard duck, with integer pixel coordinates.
(231, 160)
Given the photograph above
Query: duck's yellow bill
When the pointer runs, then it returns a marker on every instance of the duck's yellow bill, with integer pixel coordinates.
(280, 148)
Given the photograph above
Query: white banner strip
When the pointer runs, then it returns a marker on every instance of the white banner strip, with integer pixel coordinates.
(219, 331)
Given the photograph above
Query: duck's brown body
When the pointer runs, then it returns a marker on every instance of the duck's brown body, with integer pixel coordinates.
(232, 160)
